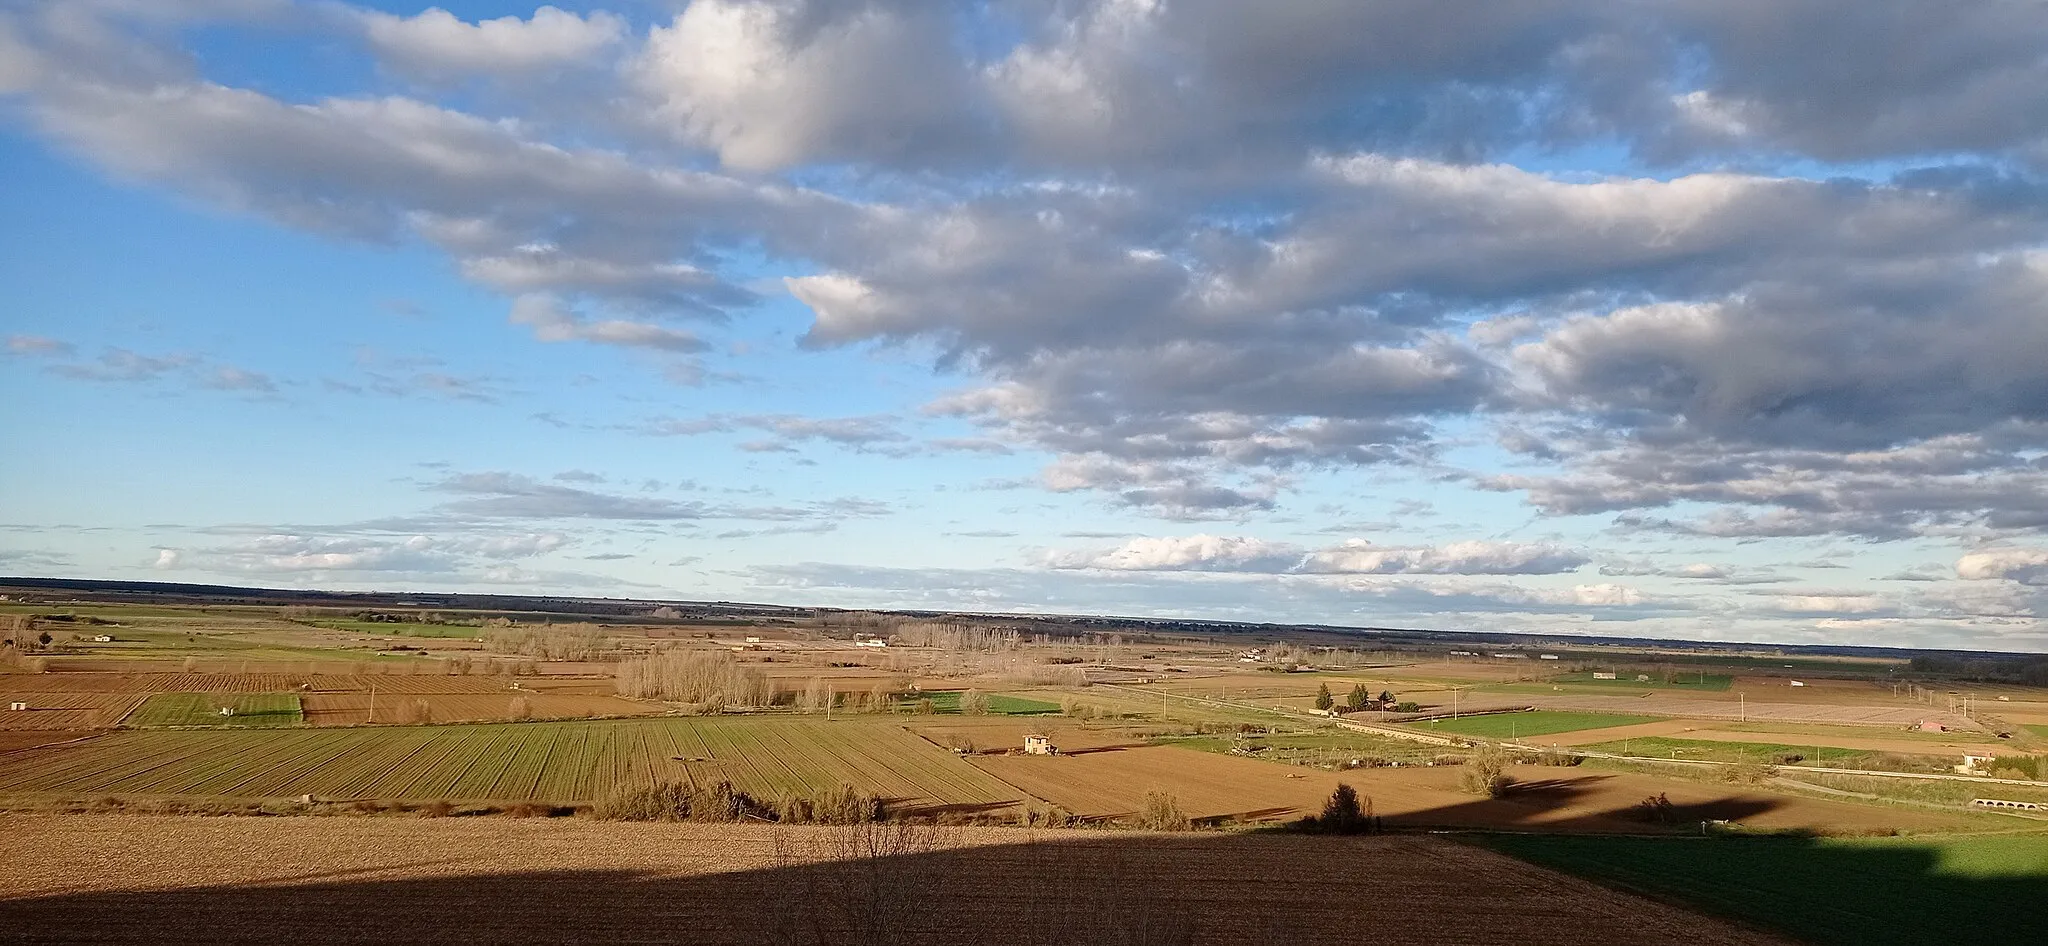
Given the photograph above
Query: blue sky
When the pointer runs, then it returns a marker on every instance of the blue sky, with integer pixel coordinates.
(1676, 320)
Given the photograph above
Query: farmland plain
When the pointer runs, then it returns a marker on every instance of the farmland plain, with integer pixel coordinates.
(550, 761)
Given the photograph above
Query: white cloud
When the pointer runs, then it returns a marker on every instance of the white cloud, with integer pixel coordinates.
(435, 42)
(1203, 552)
(552, 321)
(769, 83)
(1194, 552)
(2026, 565)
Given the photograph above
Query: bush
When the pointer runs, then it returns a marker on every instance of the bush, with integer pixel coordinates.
(722, 803)
(1486, 773)
(974, 703)
(1657, 809)
(1342, 814)
(1162, 813)
(1748, 773)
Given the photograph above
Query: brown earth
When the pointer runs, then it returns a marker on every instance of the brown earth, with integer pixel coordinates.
(120, 879)
(1210, 786)
(11, 740)
(64, 710)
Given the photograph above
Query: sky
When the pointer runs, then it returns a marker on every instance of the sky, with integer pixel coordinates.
(1701, 319)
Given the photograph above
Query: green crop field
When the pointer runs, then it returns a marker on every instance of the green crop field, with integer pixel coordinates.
(948, 701)
(1680, 680)
(2036, 730)
(1538, 723)
(396, 629)
(1707, 751)
(1019, 706)
(555, 761)
(1868, 891)
(203, 709)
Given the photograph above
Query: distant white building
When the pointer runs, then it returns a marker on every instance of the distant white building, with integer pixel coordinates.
(1546, 656)
(871, 642)
(1039, 744)
(1605, 675)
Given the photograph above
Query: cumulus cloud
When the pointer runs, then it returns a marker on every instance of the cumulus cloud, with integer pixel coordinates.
(436, 43)
(771, 83)
(1197, 254)
(2026, 565)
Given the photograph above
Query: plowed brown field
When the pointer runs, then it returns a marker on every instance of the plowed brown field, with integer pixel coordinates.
(65, 710)
(489, 881)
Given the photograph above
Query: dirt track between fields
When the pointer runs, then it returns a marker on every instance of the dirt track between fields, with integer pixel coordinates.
(119, 879)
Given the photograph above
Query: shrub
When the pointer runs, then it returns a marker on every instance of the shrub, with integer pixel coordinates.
(1342, 814)
(1486, 773)
(1162, 813)
(1657, 809)
(1748, 773)
(438, 808)
(974, 703)
(521, 708)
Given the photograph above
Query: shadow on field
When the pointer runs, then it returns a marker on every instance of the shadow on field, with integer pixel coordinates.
(890, 885)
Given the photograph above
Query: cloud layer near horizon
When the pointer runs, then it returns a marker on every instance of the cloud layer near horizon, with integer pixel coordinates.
(1696, 273)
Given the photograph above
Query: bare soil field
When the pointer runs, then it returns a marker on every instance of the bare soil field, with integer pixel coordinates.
(13, 739)
(1114, 783)
(65, 710)
(122, 880)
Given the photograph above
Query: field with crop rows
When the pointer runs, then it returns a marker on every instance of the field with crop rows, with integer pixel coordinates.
(259, 710)
(554, 761)
(55, 711)
(406, 683)
(350, 709)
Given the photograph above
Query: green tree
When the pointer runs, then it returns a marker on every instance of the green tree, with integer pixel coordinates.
(1386, 697)
(1357, 698)
(1323, 698)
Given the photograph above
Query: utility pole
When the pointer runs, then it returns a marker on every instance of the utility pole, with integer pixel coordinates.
(1743, 700)
(373, 702)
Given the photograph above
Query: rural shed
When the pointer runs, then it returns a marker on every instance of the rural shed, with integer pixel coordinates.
(1040, 744)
